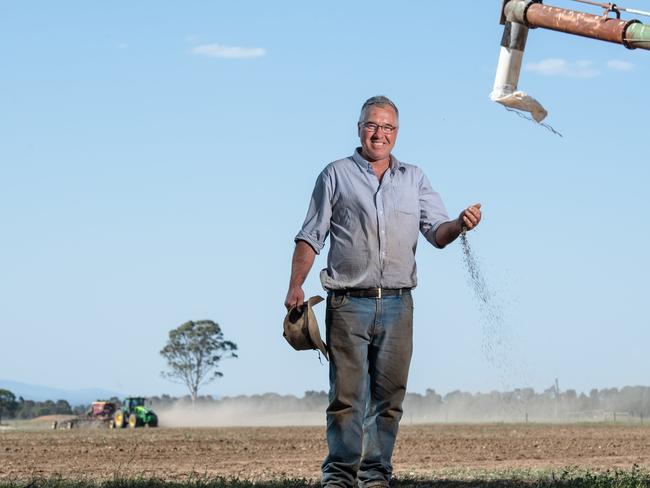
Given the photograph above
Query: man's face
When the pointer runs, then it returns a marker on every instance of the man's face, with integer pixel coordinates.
(376, 143)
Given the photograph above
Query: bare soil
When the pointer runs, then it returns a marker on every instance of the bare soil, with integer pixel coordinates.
(296, 452)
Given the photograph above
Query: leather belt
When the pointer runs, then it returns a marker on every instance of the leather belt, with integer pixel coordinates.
(372, 292)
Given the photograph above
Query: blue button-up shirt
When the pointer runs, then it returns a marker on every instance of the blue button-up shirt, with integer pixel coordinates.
(373, 226)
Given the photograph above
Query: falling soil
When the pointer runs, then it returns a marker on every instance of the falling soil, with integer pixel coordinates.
(496, 343)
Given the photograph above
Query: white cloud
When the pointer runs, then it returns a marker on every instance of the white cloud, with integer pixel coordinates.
(618, 65)
(231, 52)
(562, 67)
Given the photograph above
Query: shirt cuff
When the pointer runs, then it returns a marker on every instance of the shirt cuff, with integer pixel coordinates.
(316, 245)
(431, 235)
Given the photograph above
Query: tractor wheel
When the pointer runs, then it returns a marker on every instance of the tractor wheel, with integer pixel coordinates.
(152, 423)
(119, 419)
(134, 421)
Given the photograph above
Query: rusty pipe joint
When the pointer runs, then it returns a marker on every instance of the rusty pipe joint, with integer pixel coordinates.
(516, 10)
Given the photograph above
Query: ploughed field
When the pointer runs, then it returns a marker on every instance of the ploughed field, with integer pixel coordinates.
(267, 453)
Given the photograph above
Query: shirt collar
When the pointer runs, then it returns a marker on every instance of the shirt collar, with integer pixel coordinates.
(395, 163)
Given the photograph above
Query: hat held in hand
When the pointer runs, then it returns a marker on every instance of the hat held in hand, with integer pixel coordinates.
(301, 327)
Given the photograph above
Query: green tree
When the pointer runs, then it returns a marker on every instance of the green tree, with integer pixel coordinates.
(7, 403)
(193, 353)
(62, 407)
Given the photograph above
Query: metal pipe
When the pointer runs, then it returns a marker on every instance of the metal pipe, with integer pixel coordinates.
(535, 14)
(637, 35)
(578, 23)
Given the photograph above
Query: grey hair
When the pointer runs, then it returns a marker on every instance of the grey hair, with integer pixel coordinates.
(380, 101)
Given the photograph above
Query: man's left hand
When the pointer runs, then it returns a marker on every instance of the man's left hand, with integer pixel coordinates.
(470, 217)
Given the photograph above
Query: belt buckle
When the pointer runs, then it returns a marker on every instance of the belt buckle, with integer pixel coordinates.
(379, 293)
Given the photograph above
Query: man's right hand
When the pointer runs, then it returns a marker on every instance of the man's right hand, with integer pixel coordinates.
(295, 297)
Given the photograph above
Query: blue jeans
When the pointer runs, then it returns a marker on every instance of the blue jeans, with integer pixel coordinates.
(370, 343)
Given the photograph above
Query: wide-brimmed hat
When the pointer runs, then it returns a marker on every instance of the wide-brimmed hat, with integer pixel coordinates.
(301, 327)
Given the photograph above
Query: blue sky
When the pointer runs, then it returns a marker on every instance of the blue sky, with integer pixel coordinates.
(157, 160)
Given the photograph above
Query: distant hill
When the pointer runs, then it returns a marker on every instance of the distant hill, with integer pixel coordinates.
(41, 393)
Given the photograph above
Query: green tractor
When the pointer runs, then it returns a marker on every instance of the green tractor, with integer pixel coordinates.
(134, 413)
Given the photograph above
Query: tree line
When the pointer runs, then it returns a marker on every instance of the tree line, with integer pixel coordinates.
(520, 404)
(526, 404)
(19, 408)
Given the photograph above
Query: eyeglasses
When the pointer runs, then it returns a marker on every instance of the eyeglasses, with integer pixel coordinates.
(372, 127)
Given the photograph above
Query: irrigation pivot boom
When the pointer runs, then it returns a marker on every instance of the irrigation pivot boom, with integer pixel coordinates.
(631, 33)
(518, 16)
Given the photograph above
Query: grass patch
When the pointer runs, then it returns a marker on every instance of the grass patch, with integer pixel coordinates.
(568, 478)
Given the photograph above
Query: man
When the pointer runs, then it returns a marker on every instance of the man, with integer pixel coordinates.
(373, 206)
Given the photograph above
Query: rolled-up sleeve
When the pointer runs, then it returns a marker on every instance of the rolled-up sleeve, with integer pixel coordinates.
(317, 222)
(432, 211)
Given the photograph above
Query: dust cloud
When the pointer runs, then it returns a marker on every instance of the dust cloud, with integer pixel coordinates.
(240, 412)
(183, 416)
(630, 403)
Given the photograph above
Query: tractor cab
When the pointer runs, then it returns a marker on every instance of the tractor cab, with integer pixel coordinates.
(130, 403)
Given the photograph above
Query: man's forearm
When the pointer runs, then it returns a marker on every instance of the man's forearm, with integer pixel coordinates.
(303, 260)
(448, 232)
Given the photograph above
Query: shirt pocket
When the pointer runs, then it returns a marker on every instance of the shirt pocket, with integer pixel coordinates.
(407, 221)
(407, 204)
